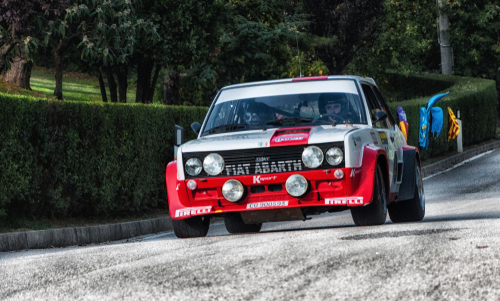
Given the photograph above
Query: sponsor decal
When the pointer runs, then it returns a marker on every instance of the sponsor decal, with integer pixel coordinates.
(355, 201)
(353, 174)
(383, 137)
(336, 201)
(374, 138)
(344, 201)
(356, 140)
(263, 167)
(267, 204)
(178, 185)
(192, 211)
(261, 144)
(257, 179)
(262, 159)
(289, 139)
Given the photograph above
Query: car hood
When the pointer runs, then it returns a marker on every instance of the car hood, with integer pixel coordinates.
(270, 138)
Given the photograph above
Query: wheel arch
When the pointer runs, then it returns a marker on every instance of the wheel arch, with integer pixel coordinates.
(384, 165)
(177, 197)
(406, 189)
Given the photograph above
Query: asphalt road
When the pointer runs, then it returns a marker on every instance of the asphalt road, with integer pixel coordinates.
(454, 254)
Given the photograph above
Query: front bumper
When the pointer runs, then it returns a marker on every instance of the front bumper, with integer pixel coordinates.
(268, 192)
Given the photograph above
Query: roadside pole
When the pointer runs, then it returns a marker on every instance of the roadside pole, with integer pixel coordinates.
(460, 148)
(444, 41)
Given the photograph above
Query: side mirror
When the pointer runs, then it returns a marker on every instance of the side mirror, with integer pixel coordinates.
(178, 139)
(378, 116)
(178, 135)
(195, 126)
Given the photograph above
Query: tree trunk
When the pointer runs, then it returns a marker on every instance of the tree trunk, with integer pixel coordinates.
(4, 50)
(102, 86)
(147, 80)
(171, 87)
(20, 70)
(153, 84)
(144, 69)
(121, 75)
(111, 85)
(58, 93)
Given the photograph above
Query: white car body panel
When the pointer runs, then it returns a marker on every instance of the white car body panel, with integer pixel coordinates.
(355, 137)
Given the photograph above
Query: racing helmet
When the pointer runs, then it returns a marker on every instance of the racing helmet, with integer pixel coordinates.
(257, 113)
(331, 98)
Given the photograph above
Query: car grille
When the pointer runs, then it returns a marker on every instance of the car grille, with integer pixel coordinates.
(263, 160)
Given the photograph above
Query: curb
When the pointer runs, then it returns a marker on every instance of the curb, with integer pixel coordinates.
(97, 234)
(81, 236)
(451, 161)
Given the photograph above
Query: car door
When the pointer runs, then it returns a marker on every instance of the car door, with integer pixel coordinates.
(385, 131)
(396, 141)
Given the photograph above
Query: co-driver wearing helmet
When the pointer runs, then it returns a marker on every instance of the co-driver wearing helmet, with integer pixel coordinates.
(332, 107)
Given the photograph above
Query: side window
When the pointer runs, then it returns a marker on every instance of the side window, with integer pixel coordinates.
(384, 106)
(373, 105)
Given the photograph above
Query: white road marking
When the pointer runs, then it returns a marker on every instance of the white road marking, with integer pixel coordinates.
(459, 164)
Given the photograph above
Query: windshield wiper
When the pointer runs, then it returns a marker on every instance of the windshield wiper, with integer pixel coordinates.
(290, 121)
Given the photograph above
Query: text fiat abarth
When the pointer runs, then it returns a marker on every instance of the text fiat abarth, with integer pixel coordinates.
(287, 149)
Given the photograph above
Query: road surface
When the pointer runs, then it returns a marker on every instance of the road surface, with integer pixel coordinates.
(453, 254)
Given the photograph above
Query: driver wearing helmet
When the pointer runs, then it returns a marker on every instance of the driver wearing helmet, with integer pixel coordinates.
(257, 113)
(332, 107)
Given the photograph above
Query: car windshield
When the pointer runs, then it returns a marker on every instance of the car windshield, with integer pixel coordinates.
(285, 110)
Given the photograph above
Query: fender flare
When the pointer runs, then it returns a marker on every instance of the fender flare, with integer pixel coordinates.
(407, 187)
(176, 191)
(372, 156)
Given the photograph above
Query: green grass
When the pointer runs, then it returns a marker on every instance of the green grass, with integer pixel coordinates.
(73, 89)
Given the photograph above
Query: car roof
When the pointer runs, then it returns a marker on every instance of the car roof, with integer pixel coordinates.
(287, 80)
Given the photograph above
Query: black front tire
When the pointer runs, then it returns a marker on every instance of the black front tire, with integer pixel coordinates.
(234, 225)
(376, 212)
(191, 227)
(410, 210)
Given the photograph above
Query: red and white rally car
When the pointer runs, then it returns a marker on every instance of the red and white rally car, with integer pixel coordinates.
(286, 149)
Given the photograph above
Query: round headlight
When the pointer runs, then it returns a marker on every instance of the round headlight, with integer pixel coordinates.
(312, 156)
(296, 185)
(233, 190)
(213, 164)
(334, 156)
(193, 166)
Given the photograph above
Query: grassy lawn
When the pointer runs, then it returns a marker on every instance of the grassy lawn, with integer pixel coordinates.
(77, 87)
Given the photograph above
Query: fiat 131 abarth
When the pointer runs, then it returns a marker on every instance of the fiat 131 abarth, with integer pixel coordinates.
(288, 149)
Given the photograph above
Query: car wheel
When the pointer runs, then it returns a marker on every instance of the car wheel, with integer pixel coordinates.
(191, 227)
(410, 210)
(376, 212)
(234, 224)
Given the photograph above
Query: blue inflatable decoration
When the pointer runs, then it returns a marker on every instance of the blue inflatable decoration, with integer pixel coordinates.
(425, 114)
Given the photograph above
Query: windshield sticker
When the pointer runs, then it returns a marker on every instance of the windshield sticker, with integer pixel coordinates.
(267, 204)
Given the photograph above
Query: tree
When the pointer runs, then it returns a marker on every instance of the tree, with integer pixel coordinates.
(339, 29)
(190, 33)
(18, 36)
(408, 41)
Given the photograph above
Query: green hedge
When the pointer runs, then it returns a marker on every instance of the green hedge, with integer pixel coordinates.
(82, 158)
(89, 159)
(476, 98)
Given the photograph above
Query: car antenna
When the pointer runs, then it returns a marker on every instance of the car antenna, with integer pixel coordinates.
(298, 51)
